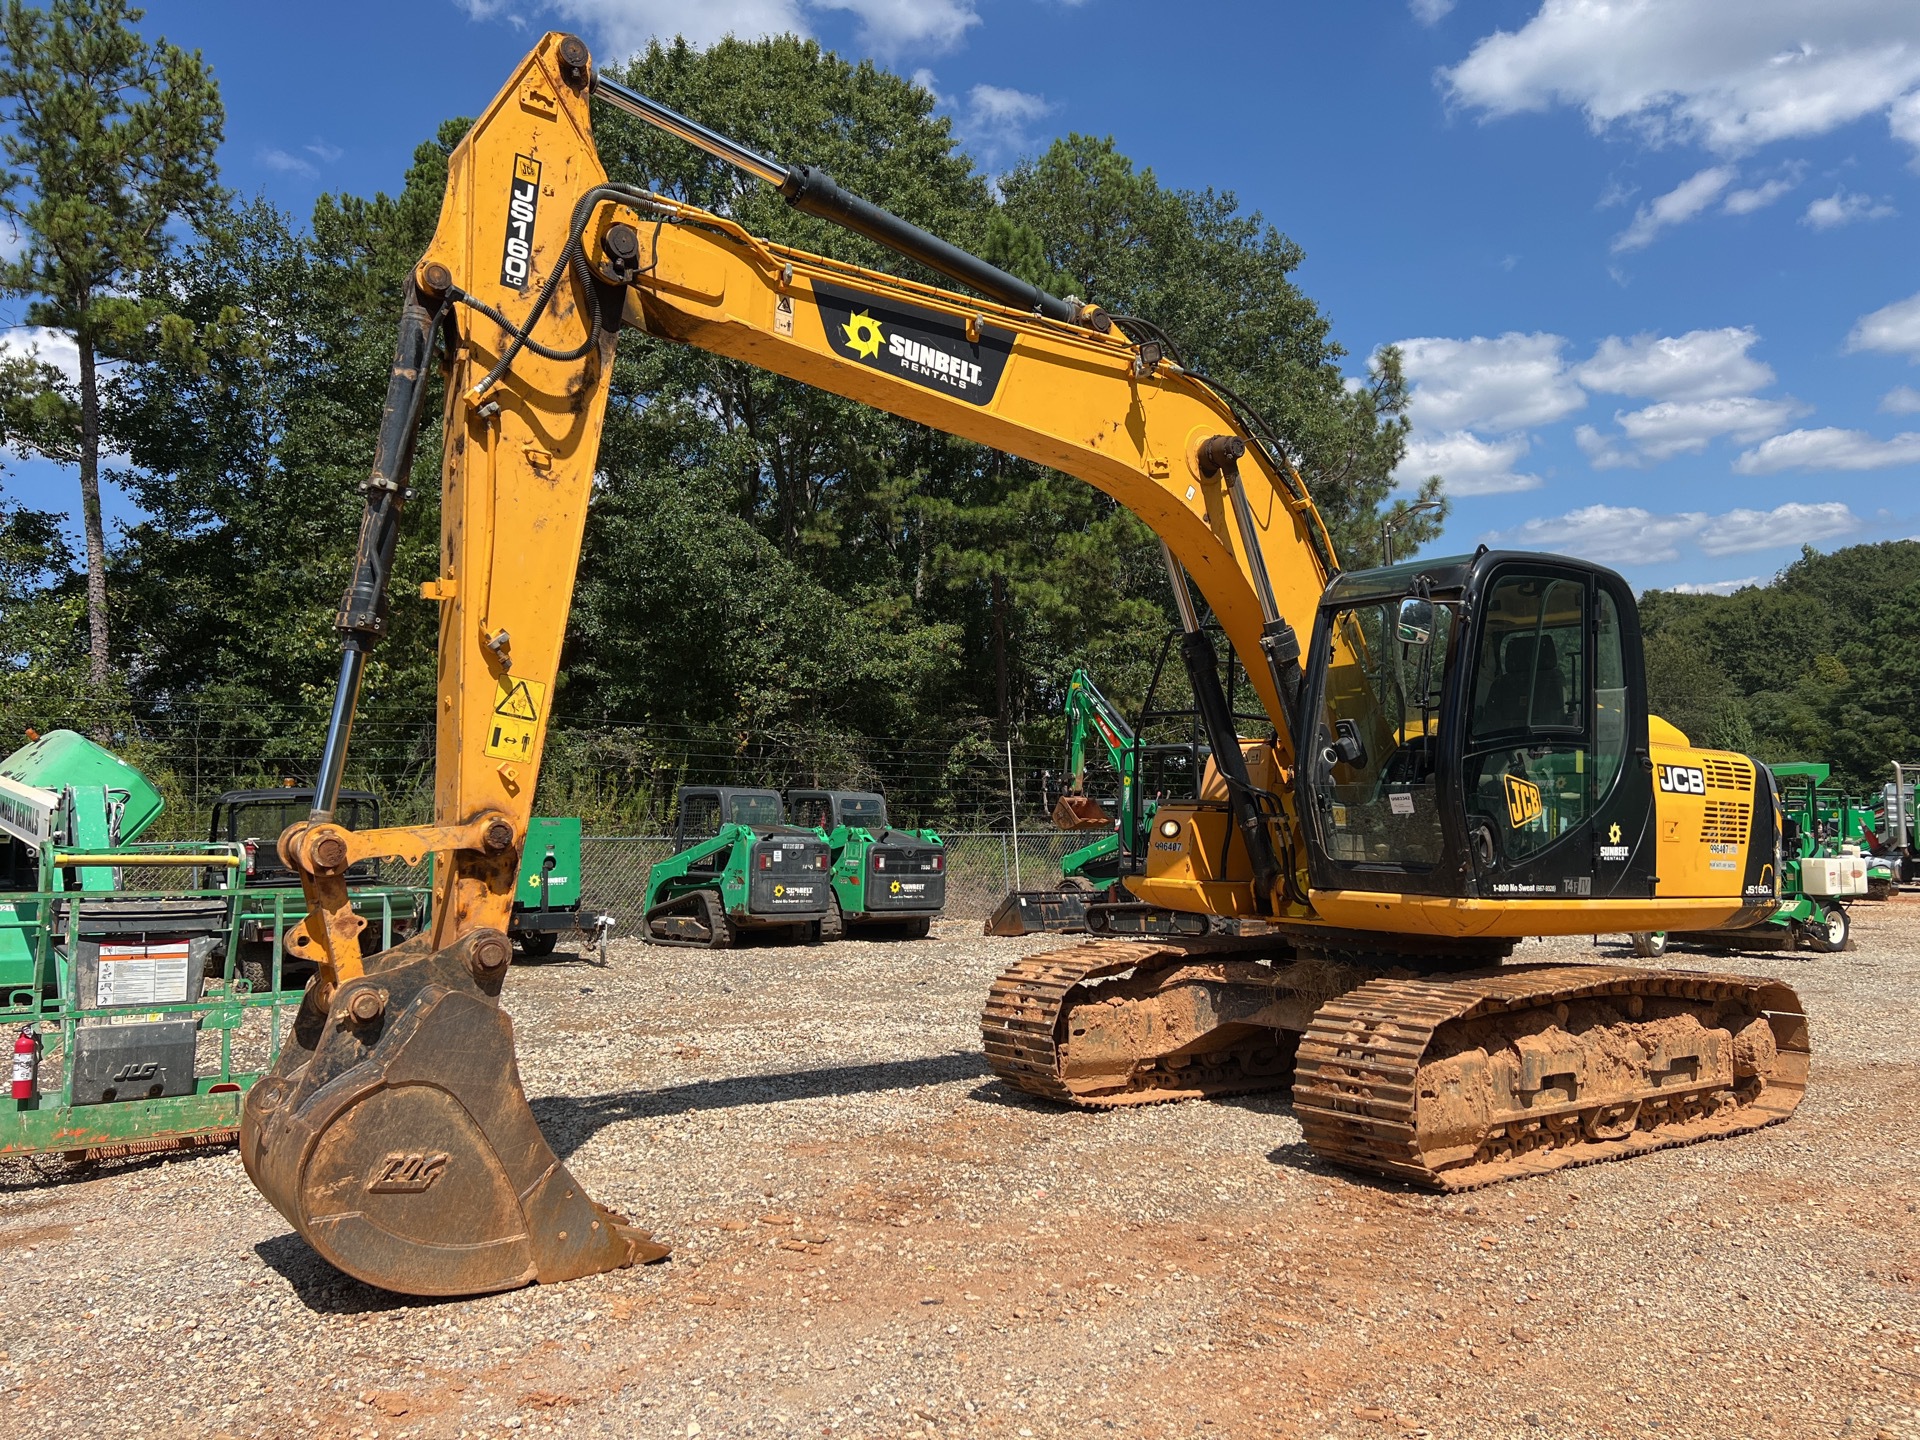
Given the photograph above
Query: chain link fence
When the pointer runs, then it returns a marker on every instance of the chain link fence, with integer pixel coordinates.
(982, 866)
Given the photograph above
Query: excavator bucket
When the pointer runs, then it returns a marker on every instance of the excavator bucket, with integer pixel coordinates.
(1035, 912)
(394, 1135)
(1080, 812)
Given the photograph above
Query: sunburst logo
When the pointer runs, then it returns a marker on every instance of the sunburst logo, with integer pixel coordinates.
(1614, 835)
(863, 335)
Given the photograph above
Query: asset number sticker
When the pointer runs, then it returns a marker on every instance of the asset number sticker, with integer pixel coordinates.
(515, 723)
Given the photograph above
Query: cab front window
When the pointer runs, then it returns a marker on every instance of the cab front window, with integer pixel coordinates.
(1376, 740)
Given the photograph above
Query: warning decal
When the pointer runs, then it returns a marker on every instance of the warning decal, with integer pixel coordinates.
(517, 708)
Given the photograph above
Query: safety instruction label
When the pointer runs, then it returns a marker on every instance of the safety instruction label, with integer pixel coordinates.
(143, 974)
(517, 708)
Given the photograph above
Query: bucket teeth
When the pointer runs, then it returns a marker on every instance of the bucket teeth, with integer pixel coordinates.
(396, 1138)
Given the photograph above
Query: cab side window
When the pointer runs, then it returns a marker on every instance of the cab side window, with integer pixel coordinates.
(810, 813)
(1609, 697)
(699, 817)
(1530, 761)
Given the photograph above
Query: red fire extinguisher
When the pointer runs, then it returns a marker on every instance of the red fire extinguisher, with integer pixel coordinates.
(26, 1064)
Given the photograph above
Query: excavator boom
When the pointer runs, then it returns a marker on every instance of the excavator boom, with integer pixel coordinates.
(393, 1131)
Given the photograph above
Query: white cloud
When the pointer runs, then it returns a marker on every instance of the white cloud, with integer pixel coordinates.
(1503, 383)
(624, 26)
(1430, 12)
(1627, 534)
(929, 82)
(889, 27)
(1730, 74)
(1698, 365)
(1679, 205)
(1610, 534)
(1904, 121)
(1758, 197)
(1843, 207)
(1683, 427)
(1738, 531)
(286, 164)
(1828, 448)
(1901, 400)
(1712, 587)
(997, 123)
(324, 152)
(1892, 329)
(1468, 464)
(1617, 193)
(53, 347)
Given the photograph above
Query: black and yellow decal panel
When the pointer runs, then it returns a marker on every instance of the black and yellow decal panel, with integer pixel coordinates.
(523, 207)
(922, 346)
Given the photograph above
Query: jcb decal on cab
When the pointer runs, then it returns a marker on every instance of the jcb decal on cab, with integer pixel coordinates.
(1683, 780)
(1523, 801)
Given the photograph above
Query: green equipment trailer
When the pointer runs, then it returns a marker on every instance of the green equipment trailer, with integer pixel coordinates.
(1822, 867)
(271, 899)
(737, 867)
(884, 880)
(133, 1029)
(547, 903)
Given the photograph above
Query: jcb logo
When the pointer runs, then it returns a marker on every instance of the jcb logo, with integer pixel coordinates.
(1523, 801)
(406, 1172)
(1682, 780)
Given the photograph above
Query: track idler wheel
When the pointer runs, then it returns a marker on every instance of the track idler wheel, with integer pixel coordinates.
(393, 1133)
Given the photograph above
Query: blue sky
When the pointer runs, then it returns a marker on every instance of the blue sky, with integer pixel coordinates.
(1653, 262)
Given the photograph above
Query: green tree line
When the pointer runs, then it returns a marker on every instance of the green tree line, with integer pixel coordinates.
(763, 561)
(1821, 664)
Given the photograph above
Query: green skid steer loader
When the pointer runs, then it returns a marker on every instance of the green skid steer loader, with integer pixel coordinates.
(885, 881)
(737, 867)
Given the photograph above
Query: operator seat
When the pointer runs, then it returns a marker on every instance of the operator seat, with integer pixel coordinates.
(1528, 689)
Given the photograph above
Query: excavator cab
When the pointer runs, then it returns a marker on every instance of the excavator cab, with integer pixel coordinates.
(1479, 729)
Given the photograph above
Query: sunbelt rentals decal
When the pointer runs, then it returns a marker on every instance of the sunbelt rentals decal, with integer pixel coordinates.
(523, 207)
(922, 346)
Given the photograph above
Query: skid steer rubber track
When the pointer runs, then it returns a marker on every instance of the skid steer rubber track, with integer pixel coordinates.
(693, 921)
(1461, 1081)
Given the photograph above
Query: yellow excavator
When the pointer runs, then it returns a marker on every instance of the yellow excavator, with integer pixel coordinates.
(1461, 756)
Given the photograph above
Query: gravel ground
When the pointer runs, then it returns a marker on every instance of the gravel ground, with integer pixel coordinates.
(873, 1238)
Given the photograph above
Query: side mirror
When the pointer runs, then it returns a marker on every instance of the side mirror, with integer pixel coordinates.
(1415, 623)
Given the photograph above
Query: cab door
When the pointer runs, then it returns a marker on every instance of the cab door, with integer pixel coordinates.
(1552, 760)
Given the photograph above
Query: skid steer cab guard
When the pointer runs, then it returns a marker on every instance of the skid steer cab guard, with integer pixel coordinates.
(737, 867)
(885, 880)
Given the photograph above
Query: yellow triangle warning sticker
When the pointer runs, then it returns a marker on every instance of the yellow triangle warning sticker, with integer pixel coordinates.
(518, 700)
(517, 705)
